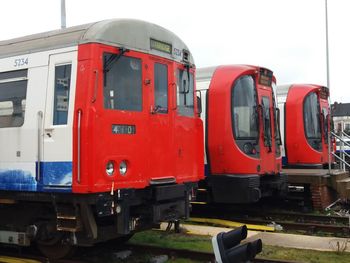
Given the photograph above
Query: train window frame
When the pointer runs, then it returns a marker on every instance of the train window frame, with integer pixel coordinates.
(185, 95)
(241, 141)
(161, 92)
(61, 106)
(13, 94)
(110, 102)
(325, 119)
(314, 142)
(255, 138)
(277, 121)
(267, 121)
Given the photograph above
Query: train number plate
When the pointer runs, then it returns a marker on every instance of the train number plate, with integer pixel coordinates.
(123, 129)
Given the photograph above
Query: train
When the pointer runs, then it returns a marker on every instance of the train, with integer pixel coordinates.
(99, 132)
(243, 159)
(305, 124)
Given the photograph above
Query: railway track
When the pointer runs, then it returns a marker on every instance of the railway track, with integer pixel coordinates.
(309, 227)
(288, 220)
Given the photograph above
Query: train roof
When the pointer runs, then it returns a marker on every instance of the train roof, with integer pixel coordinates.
(205, 74)
(129, 33)
(282, 90)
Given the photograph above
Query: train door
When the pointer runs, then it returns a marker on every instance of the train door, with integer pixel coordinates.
(267, 151)
(124, 119)
(185, 123)
(56, 164)
(161, 120)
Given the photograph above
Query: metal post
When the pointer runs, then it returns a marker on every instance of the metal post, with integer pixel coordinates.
(63, 14)
(328, 85)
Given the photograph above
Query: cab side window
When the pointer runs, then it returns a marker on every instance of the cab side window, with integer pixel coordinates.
(122, 83)
(161, 88)
(185, 90)
(61, 99)
(13, 93)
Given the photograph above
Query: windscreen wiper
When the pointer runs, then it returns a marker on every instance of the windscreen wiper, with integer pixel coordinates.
(114, 58)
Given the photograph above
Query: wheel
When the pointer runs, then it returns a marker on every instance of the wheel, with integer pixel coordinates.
(54, 244)
(56, 251)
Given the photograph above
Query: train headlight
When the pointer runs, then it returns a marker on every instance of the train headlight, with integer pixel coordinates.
(248, 148)
(123, 167)
(110, 168)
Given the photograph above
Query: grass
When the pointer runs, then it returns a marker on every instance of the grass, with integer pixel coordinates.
(303, 255)
(171, 240)
(203, 243)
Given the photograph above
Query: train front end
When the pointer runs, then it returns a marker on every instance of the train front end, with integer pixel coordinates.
(243, 157)
(108, 140)
(305, 125)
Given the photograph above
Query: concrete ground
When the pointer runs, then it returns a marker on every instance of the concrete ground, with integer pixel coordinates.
(278, 239)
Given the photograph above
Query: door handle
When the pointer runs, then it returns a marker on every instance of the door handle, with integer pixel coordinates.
(48, 132)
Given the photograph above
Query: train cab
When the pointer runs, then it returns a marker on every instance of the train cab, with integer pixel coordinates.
(242, 137)
(305, 123)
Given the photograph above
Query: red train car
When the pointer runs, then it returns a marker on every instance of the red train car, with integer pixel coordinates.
(242, 139)
(100, 135)
(305, 122)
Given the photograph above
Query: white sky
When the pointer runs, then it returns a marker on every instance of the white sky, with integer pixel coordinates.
(287, 36)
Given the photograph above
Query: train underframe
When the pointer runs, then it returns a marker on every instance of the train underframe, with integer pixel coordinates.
(57, 222)
(248, 188)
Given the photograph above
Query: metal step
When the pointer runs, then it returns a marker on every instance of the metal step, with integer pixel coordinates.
(68, 218)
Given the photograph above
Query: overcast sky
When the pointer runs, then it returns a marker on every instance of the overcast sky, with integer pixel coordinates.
(287, 36)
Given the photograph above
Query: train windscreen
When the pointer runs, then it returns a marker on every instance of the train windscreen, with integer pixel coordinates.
(312, 121)
(244, 109)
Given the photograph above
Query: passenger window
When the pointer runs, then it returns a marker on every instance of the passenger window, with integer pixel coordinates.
(13, 92)
(61, 99)
(185, 87)
(122, 83)
(160, 88)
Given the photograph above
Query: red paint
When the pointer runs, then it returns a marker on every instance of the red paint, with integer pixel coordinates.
(298, 149)
(224, 154)
(164, 146)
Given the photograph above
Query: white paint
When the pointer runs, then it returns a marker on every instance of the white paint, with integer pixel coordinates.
(203, 87)
(19, 145)
(58, 139)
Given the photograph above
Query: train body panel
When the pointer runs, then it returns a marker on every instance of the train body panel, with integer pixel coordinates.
(151, 134)
(304, 125)
(99, 132)
(241, 136)
(23, 120)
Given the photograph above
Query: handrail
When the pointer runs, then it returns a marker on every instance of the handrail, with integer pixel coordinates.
(342, 153)
(340, 139)
(40, 118)
(78, 144)
(340, 159)
(95, 86)
(346, 135)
